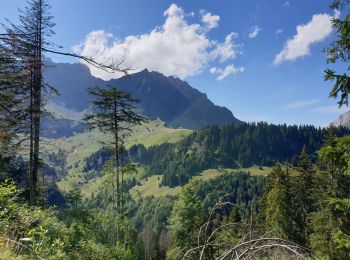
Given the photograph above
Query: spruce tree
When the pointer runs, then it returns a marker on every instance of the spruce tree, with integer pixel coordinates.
(114, 113)
(331, 223)
(278, 207)
(27, 41)
(13, 101)
(304, 193)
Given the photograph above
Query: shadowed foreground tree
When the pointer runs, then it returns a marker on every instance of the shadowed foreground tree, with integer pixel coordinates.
(26, 44)
(13, 102)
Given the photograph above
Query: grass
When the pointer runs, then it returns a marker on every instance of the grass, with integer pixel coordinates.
(151, 186)
(93, 185)
(82, 145)
(155, 132)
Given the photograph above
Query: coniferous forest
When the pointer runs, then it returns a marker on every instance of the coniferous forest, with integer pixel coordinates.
(122, 182)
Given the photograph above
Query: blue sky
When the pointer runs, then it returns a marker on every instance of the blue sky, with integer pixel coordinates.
(261, 59)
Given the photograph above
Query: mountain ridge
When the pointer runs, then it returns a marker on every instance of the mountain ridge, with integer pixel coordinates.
(172, 100)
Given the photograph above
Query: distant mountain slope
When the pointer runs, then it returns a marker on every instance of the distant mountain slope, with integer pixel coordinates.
(172, 100)
(343, 120)
(229, 146)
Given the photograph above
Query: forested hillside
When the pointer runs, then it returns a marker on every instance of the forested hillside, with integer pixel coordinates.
(229, 146)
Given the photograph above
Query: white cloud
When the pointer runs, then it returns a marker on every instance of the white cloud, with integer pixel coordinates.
(314, 31)
(175, 48)
(278, 31)
(286, 4)
(213, 70)
(302, 103)
(211, 21)
(226, 50)
(333, 109)
(228, 70)
(254, 31)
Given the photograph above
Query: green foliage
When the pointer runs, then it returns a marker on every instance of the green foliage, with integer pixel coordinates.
(331, 222)
(46, 233)
(154, 210)
(339, 51)
(238, 188)
(198, 198)
(85, 236)
(186, 217)
(337, 155)
(304, 188)
(278, 210)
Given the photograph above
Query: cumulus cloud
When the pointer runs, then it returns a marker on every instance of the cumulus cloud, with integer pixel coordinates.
(314, 31)
(176, 48)
(254, 31)
(228, 70)
(302, 103)
(226, 50)
(211, 21)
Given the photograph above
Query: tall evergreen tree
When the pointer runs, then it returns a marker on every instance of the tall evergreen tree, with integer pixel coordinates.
(115, 113)
(331, 223)
(304, 193)
(27, 41)
(278, 207)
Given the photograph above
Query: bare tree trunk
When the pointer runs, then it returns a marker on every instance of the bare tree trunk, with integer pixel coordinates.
(122, 185)
(116, 139)
(31, 145)
(37, 101)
